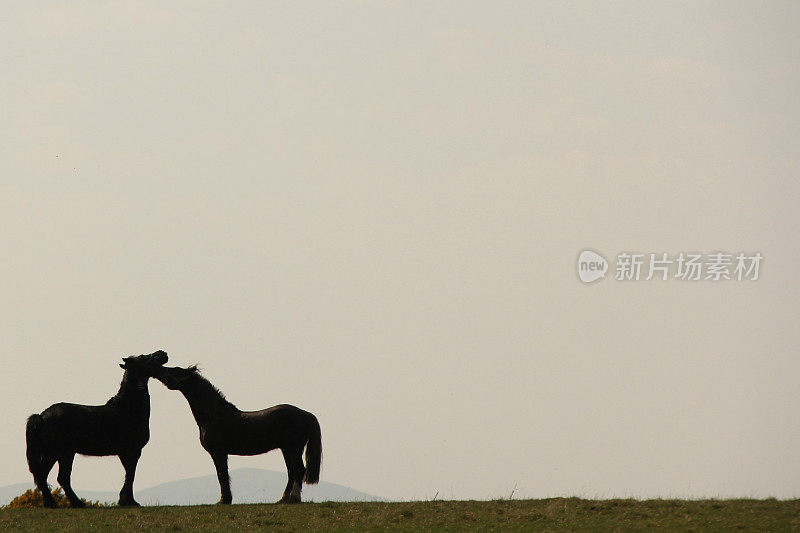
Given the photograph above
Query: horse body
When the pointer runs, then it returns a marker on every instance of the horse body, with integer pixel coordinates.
(226, 430)
(98, 430)
(120, 427)
(256, 432)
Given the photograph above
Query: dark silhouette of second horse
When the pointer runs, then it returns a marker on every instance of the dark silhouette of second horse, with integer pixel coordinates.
(225, 430)
(120, 427)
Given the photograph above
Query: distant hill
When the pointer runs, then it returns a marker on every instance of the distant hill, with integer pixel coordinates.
(249, 485)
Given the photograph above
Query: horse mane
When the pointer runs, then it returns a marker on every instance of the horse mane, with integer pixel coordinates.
(210, 389)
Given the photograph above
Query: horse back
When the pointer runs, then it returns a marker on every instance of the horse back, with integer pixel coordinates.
(279, 417)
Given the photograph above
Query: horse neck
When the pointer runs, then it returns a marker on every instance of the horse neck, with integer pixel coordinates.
(206, 402)
(133, 394)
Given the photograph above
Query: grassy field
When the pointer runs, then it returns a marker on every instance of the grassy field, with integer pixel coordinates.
(558, 514)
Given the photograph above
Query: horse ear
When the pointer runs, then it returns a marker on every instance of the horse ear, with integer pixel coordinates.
(193, 369)
(123, 366)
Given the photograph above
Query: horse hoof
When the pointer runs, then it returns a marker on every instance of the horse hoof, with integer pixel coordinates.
(224, 502)
(77, 504)
(51, 504)
(130, 503)
(290, 500)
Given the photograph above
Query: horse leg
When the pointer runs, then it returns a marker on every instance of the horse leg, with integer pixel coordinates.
(293, 458)
(64, 475)
(288, 489)
(42, 469)
(129, 461)
(221, 464)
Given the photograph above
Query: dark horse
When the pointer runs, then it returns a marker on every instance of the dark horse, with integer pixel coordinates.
(225, 430)
(120, 427)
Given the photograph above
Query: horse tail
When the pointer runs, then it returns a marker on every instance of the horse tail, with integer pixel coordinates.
(314, 452)
(35, 448)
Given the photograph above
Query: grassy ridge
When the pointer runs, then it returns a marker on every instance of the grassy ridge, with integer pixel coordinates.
(555, 514)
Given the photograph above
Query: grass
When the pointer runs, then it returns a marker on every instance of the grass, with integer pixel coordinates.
(556, 514)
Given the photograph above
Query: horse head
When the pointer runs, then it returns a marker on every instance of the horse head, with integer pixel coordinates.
(174, 377)
(147, 363)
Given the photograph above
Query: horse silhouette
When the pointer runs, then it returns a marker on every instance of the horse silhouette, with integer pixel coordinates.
(225, 430)
(120, 427)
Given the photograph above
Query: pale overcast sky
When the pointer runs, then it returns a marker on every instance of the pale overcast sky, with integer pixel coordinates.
(372, 210)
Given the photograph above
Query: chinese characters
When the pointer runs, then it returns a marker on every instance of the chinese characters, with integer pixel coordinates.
(687, 266)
